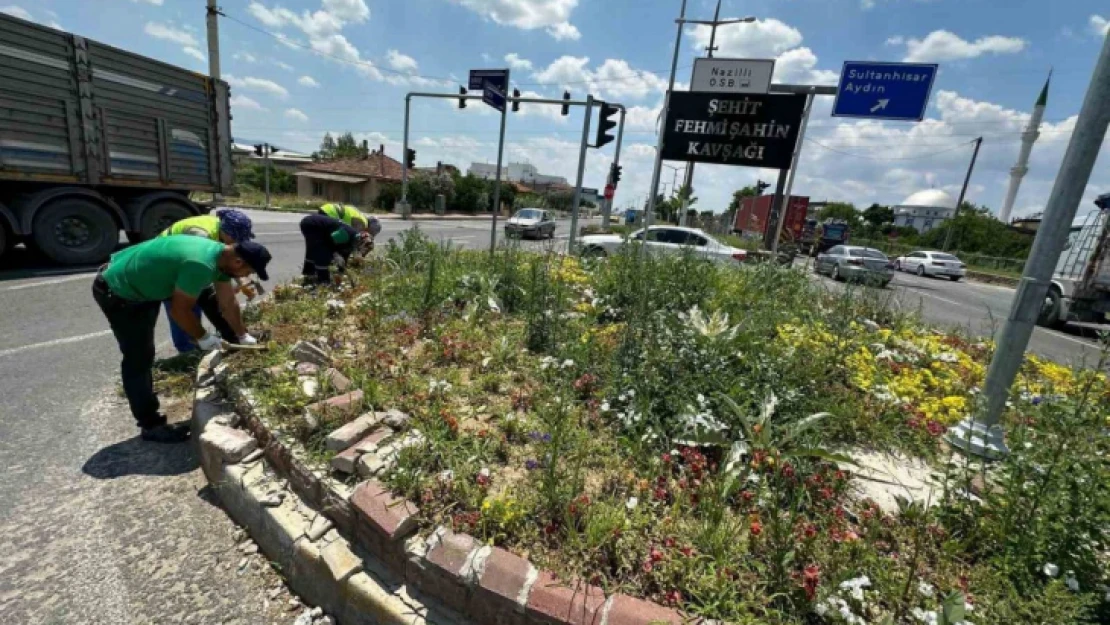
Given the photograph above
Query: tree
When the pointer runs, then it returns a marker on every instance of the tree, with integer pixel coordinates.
(843, 211)
(345, 147)
(878, 216)
(738, 196)
(327, 149)
(253, 176)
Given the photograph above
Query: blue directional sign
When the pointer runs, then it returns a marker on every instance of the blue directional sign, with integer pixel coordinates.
(494, 84)
(884, 90)
(494, 97)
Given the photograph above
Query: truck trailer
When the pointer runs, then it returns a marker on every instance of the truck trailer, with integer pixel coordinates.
(95, 140)
(1080, 289)
(754, 213)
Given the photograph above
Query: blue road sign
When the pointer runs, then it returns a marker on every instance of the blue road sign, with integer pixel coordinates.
(494, 84)
(884, 90)
(494, 97)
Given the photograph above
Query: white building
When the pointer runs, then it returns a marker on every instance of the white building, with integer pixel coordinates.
(524, 173)
(925, 210)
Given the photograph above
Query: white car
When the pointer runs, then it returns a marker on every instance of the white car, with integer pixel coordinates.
(665, 240)
(936, 264)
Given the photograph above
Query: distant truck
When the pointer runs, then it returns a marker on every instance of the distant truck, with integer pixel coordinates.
(1080, 289)
(95, 140)
(754, 213)
(820, 237)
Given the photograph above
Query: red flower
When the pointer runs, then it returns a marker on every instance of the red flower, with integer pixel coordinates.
(787, 470)
(668, 543)
(666, 458)
(811, 577)
(656, 555)
(826, 493)
(674, 598)
(483, 480)
(687, 551)
(661, 493)
(936, 428)
(747, 495)
(810, 530)
(648, 566)
(756, 528)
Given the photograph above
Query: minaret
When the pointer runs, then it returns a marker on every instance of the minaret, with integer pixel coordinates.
(1028, 138)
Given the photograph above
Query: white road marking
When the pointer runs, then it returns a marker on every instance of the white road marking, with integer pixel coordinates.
(1071, 338)
(31, 285)
(70, 339)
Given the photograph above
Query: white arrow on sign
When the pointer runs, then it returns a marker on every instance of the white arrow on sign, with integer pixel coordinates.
(881, 105)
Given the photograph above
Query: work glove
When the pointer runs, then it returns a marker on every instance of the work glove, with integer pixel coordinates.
(247, 339)
(208, 342)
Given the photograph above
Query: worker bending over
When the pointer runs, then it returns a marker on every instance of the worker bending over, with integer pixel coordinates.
(328, 240)
(130, 288)
(227, 226)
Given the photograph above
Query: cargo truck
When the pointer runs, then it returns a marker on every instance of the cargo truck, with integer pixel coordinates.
(1080, 289)
(754, 213)
(95, 140)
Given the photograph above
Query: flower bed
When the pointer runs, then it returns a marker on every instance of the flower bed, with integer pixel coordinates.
(683, 432)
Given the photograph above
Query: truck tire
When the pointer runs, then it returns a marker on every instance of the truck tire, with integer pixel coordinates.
(157, 217)
(1050, 311)
(74, 231)
(5, 238)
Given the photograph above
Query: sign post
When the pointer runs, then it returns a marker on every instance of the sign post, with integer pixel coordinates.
(895, 91)
(494, 84)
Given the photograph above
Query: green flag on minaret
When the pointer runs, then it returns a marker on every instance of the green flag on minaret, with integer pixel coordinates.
(1043, 100)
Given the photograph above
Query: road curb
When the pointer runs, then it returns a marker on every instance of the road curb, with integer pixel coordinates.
(357, 552)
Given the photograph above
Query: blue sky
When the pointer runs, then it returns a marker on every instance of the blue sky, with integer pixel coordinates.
(299, 68)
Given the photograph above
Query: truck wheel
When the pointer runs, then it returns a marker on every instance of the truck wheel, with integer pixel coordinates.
(160, 216)
(5, 238)
(1050, 311)
(75, 231)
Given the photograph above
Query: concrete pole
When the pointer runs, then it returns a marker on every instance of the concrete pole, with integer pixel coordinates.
(497, 178)
(581, 173)
(963, 193)
(266, 155)
(689, 181)
(213, 39)
(793, 170)
(654, 190)
(982, 435)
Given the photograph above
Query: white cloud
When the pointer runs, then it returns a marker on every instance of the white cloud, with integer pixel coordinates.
(551, 15)
(564, 31)
(195, 53)
(285, 66)
(870, 4)
(245, 57)
(401, 62)
(613, 78)
(757, 40)
(800, 66)
(307, 81)
(243, 103)
(896, 40)
(169, 32)
(515, 61)
(323, 28)
(942, 45)
(156, 3)
(1100, 25)
(17, 11)
(263, 85)
(640, 118)
(547, 111)
(296, 115)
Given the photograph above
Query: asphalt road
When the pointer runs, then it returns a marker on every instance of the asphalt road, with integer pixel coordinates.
(99, 527)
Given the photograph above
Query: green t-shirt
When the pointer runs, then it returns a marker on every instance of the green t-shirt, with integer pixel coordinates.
(151, 271)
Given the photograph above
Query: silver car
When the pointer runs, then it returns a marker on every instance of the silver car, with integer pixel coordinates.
(851, 262)
(936, 264)
(531, 222)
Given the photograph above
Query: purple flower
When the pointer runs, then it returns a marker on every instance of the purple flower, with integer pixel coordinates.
(1037, 399)
(531, 464)
(540, 437)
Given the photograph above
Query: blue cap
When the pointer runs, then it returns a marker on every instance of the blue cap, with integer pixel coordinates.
(236, 225)
(256, 256)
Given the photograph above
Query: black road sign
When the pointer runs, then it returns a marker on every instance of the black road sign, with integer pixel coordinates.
(752, 130)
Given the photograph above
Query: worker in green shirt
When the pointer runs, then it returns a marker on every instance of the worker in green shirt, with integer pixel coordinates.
(347, 214)
(130, 288)
(228, 226)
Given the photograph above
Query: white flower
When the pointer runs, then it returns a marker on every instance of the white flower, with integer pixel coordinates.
(948, 357)
(924, 588)
(492, 303)
(447, 476)
(632, 503)
(484, 472)
(968, 607)
(605, 406)
(925, 616)
(1072, 583)
(1051, 569)
(821, 609)
(568, 363)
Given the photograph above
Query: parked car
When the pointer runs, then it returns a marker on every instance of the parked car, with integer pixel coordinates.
(934, 264)
(665, 240)
(531, 222)
(851, 262)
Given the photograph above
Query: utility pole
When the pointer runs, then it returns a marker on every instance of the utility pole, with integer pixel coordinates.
(650, 210)
(981, 434)
(581, 173)
(497, 178)
(963, 192)
(213, 39)
(266, 156)
(774, 216)
(794, 161)
(689, 180)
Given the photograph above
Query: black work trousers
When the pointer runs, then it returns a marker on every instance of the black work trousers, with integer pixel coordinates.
(319, 247)
(133, 325)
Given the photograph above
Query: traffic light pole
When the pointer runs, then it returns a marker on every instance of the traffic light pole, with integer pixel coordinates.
(497, 179)
(403, 204)
(607, 207)
(581, 173)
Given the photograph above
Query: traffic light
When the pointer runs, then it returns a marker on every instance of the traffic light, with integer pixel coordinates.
(605, 124)
(761, 186)
(615, 174)
(272, 150)
(462, 101)
(258, 149)
(410, 159)
(566, 107)
(516, 102)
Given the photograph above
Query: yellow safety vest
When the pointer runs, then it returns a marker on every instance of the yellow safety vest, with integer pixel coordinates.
(203, 226)
(344, 213)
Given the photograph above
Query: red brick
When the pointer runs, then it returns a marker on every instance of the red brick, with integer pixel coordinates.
(495, 597)
(438, 572)
(337, 380)
(631, 611)
(349, 457)
(556, 602)
(347, 402)
(391, 517)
